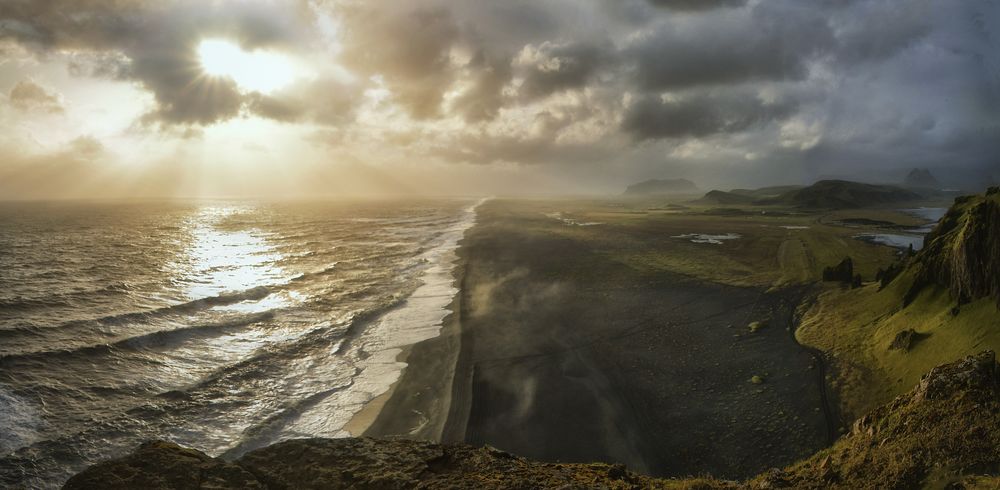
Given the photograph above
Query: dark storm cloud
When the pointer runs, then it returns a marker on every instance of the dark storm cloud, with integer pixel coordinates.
(878, 29)
(700, 115)
(696, 4)
(484, 99)
(730, 47)
(551, 67)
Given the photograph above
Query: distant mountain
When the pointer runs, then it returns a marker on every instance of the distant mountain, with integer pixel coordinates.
(772, 191)
(922, 178)
(726, 198)
(659, 187)
(842, 194)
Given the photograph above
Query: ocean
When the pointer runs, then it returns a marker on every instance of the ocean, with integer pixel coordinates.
(220, 325)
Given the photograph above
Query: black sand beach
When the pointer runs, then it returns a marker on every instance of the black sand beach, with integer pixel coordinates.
(559, 353)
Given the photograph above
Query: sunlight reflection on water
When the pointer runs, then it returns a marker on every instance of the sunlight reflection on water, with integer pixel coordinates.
(223, 261)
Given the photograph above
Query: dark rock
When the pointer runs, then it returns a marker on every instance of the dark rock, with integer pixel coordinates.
(842, 272)
(972, 374)
(356, 464)
(164, 465)
(885, 277)
(905, 340)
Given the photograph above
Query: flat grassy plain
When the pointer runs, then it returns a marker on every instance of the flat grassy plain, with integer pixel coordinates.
(777, 247)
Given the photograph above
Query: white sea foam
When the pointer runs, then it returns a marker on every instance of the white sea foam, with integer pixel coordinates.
(571, 221)
(20, 420)
(418, 318)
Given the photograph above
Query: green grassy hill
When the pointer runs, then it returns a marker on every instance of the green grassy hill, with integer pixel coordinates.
(725, 198)
(764, 192)
(942, 305)
(841, 194)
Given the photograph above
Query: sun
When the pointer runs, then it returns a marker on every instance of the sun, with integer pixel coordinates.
(261, 71)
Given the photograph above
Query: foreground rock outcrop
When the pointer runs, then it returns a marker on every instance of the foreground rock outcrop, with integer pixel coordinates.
(944, 433)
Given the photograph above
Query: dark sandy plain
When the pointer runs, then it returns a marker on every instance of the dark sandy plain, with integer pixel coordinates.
(593, 331)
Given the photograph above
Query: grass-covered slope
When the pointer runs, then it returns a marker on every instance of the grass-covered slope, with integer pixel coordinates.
(963, 252)
(725, 198)
(945, 433)
(764, 192)
(842, 194)
(942, 305)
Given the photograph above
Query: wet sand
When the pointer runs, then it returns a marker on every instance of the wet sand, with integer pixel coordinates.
(417, 406)
(556, 352)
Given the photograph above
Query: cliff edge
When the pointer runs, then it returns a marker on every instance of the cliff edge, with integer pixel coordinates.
(963, 252)
(945, 429)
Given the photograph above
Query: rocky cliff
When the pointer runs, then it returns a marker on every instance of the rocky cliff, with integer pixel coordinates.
(963, 252)
(945, 429)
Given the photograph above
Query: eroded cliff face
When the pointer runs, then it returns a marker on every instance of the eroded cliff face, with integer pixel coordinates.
(963, 252)
(945, 429)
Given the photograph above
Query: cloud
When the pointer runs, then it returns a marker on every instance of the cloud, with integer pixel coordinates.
(878, 29)
(570, 85)
(414, 62)
(696, 4)
(326, 101)
(84, 148)
(27, 95)
(730, 47)
(700, 115)
(154, 44)
(551, 67)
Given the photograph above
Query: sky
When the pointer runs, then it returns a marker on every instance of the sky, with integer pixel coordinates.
(304, 98)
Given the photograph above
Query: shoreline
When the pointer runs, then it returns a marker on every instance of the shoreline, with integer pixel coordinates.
(419, 403)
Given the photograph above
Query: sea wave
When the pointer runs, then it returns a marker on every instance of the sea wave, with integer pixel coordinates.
(160, 338)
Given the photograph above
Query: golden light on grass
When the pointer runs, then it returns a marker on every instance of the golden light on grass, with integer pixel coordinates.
(261, 71)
